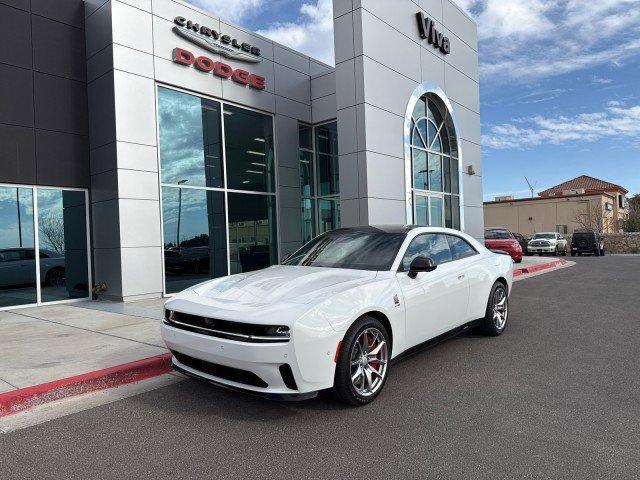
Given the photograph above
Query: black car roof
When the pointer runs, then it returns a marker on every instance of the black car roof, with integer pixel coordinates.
(378, 229)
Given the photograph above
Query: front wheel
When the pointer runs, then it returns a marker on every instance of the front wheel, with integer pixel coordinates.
(363, 362)
(495, 319)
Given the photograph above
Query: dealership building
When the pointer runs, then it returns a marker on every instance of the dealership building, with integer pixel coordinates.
(148, 145)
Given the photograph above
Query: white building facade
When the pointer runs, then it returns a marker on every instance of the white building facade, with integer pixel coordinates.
(214, 150)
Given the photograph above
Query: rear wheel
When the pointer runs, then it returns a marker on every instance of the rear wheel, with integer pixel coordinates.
(363, 362)
(495, 319)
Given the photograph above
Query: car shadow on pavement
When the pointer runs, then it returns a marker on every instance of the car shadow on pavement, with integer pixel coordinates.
(199, 398)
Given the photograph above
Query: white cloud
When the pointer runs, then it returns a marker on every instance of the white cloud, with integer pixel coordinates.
(529, 40)
(615, 121)
(312, 35)
(234, 11)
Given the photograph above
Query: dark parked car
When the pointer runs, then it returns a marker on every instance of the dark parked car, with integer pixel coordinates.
(522, 241)
(587, 241)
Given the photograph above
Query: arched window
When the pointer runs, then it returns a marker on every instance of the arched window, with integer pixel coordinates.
(432, 161)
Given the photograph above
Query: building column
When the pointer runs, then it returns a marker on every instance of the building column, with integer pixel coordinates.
(125, 193)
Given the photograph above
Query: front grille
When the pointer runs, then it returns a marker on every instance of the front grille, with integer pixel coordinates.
(221, 371)
(242, 332)
(540, 244)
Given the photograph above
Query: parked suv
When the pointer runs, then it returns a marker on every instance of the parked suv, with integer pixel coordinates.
(587, 241)
(547, 242)
(522, 241)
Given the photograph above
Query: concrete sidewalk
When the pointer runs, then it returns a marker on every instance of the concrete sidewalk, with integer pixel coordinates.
(47, 343)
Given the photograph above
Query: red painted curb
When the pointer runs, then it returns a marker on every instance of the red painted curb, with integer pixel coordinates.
(29, 397)
(536, 268)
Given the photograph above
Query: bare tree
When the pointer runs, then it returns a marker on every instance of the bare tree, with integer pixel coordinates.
(52, 232)
(594, 219)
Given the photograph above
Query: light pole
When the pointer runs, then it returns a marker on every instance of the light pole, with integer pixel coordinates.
(181, 182)
(19, 220)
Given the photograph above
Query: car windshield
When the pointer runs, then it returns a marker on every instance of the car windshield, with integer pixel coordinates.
(538, 236)
(498, 235)
(350, 248)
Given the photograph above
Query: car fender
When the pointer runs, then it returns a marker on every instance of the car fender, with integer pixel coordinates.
(342, 309)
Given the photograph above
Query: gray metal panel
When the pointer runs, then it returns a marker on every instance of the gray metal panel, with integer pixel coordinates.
(16, 96)
(15, 37)
(58, 49)
(62, 159)
(17, 154)
(60, 104)
(21, 4)
(70, 12)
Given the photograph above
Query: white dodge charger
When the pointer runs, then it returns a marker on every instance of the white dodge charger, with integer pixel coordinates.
(337, 311)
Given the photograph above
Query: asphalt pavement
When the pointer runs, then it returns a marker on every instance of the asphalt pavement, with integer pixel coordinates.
(556, 396)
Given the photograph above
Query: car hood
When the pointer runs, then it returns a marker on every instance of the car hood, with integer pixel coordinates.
(275, 289)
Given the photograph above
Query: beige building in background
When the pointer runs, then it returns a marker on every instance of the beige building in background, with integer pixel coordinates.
(581, 203)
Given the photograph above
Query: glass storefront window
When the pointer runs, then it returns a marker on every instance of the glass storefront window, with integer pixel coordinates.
(210, 231)
(308, 221)
(319, 179)
(249, 150)
(59, 248)
(329, 213)
(17, 253)
(62, 232)
(195, 236)
(252, 232)
(434, 164)
(190, 139)
(306, 173)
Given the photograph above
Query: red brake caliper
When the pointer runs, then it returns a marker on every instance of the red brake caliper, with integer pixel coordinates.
(371, 347)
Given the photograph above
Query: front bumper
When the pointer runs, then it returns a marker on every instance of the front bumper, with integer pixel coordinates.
(550, 249)
(177, 366)
(262, 360)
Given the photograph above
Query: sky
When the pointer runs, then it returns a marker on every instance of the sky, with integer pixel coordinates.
(559, 82)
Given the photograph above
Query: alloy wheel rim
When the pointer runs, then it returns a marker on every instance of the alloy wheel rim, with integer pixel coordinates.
(500, 308)
(368, 362)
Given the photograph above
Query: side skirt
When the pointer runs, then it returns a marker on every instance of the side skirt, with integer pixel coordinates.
(435, 341)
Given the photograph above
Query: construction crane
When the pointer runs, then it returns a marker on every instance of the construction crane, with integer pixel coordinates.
(532, 187)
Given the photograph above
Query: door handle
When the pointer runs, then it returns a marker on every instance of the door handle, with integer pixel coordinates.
(461, 277)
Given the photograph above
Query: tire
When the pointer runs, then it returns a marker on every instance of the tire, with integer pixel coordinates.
(56, 277)
(490, 324)
(361, 391)
(518, 261)
(597, 253)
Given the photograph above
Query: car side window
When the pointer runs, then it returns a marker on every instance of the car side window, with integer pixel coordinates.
(11, 255)
(432, 245)
(27, 255)
(460, 248)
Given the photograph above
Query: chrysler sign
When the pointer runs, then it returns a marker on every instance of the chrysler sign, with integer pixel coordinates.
(215, 42)
(428, 32)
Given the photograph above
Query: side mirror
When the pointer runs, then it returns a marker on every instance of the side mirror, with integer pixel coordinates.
(421, 264)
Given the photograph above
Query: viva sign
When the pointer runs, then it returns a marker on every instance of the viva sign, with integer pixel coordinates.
(428, 31)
